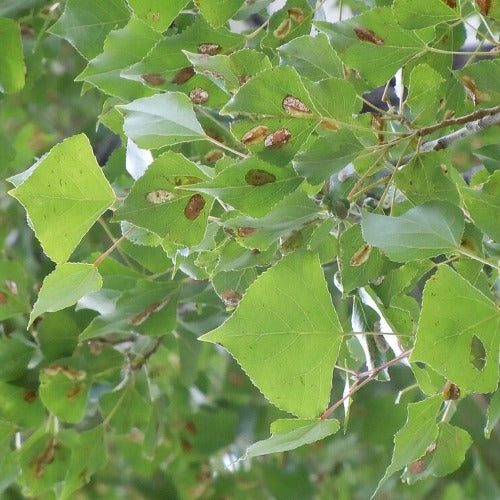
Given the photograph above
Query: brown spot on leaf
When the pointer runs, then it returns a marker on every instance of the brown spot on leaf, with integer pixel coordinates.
(329, 124)
(186, 445)
(159, 196)
(361, 255)
(294, 241)
(154, 79)
(198, 95)
(30, 396)
(259, 177)
(71, 373)
(190, 426)
(418, 466)
(296, 14)
(283, 29)
(475, 93)
(242, 79)
(231, 298)
(184, 180)
(451, 3)
(294, 106)
(3, 298)
(183, 75)
(75, 391)
(194, 206)
(213, 155)
(255, 135)
(143, 315)
(451, 391)
(484, 6)
(366, 35)
(244, 232)
(45, 458)
(277, 139)
(210, 49)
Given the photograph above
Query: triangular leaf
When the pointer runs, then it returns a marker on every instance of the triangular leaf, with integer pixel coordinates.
(65, 193)
(286, 335)
(462, 340)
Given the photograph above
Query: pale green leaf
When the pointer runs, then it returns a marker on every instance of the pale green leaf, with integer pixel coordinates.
(288, 434)
(286, 335)
(217, 12)
(64, 286)
(461, 339)
(414, 14)
(424, 231)
(413, 439)
(86, 25)
(312, 56)
(159, 14)
(12, 67)
(64, 194)
(161, 120)
(104, 71)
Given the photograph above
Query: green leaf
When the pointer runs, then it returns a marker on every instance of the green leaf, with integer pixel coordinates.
(428, 177)
(414, 14)
(13, 289)
(493, 414)
(217, 12)
(288, 434)
(312, 56)
(374, 44)
(251, 186)
(57, 335)
(290, 22)
(64, 194)
(484, 205)
(328, 155)
(266, 92)
(86, 26)
(64, 286)
(21, 406)
(479, 81)
(42, 462)
(425, 91)
(234, 69)
(157, 13)
(454, 340)
(168, 61)
(15, 355)
(286, 216)
(276, 334)
(12, 67)
(413, 439)
(444, 456)
(89, 454)
(161, 120)
(64, 390)
(359, 262)
(157, 201)
(104, 71)
(425, 231)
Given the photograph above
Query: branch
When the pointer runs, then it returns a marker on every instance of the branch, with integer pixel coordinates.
(471, 128)
(370, 375)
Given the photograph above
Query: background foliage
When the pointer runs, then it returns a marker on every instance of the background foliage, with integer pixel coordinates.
(258, 182)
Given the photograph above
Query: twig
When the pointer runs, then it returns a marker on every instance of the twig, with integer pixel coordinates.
(112, 247)
(139, 364)
(370, 375)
